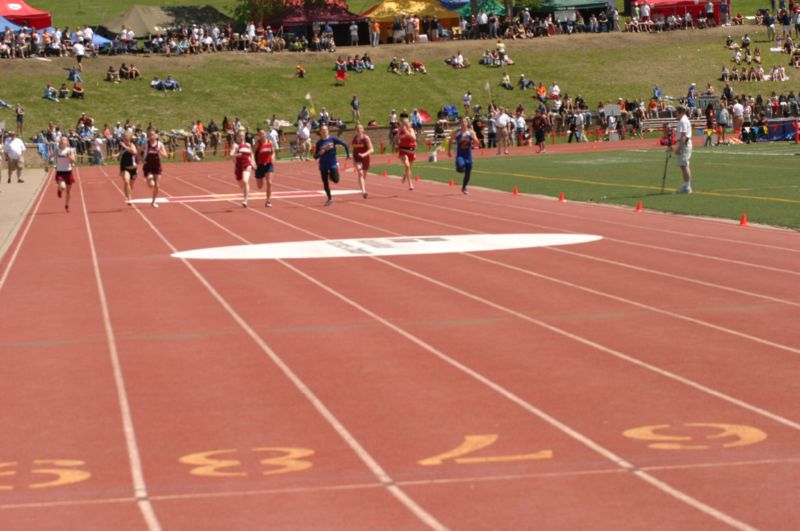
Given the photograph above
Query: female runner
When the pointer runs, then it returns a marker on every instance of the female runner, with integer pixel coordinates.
(243, 153)
(65, 159)
(362, 149)
(407, 145)
(325, 151)
(152, 153)
(127, 164)
(264, 167)
(465, 139)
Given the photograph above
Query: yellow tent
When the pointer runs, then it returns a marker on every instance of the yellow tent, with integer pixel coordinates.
(385, 13)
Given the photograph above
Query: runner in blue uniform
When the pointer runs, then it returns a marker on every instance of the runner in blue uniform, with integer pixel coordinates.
(325, 151)
(465, 139)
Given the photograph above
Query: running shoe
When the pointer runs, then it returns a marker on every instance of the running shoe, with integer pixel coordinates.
(244, 204)
(268, 204)
(329, 202)
(465, 191)
(365, 194)
(685, 189)
(154, 204)
(66, 207)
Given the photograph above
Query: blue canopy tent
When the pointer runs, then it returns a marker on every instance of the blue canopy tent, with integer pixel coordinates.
(5, 23)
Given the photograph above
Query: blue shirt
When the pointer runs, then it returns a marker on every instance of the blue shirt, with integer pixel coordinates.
(326, 152)
(464, 145)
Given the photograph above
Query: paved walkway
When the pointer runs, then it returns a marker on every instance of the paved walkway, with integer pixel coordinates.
(15, 201)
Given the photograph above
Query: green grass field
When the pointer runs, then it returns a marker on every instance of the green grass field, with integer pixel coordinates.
(758, 180)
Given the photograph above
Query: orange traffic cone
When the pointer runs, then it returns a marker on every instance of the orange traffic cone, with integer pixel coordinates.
(516, 191)
(561, 198)
(639, 207)
(416, 178)
(452, 182)
(743, 221)
(385, 173)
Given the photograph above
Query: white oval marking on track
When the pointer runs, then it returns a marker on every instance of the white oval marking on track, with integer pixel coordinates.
(396, 246)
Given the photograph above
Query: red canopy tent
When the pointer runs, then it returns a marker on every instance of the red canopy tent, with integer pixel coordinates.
(301, 13)
(18, 12)
(681, 7)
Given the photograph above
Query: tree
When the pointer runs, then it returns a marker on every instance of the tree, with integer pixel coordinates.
(247, 11)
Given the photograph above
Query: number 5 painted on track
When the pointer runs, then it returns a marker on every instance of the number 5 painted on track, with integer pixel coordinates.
(62, 469)
(473, 443)
(741, 435)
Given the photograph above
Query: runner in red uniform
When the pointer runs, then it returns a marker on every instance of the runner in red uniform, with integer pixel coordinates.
(65, 159)
(362, 149)
(264, 165)
(243, 157)
(152, 153)
(407, 146)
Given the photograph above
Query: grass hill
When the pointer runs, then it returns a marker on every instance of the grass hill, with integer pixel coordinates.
(255, 86)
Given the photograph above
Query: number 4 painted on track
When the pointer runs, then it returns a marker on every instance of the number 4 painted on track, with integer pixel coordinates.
(473, 443)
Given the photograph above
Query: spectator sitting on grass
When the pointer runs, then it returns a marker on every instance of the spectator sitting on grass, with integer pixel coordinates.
(394, 66)
(299, 72)
(112, 74)
(77, 91)
(419, 67)
(506, 82)
(525, 83)
(50, 92)
(405, 68)
(63, 91)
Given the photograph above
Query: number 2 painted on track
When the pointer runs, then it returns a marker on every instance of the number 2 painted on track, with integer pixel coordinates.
(474, 443)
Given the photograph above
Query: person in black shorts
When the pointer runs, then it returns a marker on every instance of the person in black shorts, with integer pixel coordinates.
(128, 153)
(153, 151)
(20, 112)
(264, 153)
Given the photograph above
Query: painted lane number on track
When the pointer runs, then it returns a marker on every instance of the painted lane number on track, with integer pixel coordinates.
(226, 463)
(696, 436)
(63, 472)
(474, 443)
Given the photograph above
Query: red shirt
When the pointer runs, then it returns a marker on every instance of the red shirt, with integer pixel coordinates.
(244, 155)
(406, 140)
(360, 146)
(264, 153)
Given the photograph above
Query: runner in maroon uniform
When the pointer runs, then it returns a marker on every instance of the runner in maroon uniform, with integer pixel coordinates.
(407, 145)
(362, 149)
(65, 159)
(264, 165)
(152, 153)
(244, 163)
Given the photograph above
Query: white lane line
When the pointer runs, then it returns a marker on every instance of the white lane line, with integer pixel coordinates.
(598, 259)
(509, 395)
(403, 483)
(306, 391)
(613, 239)
(31, 216)
(579, 287)
(134, 457)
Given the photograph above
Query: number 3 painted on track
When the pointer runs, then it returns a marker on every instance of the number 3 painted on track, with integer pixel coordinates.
(742, 436)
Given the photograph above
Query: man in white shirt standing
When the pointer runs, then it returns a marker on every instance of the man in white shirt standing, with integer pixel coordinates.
(14, 149)
(683, 148)
(502, 120)
(80, 51)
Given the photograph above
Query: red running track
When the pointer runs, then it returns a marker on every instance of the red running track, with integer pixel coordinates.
(647, 380)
